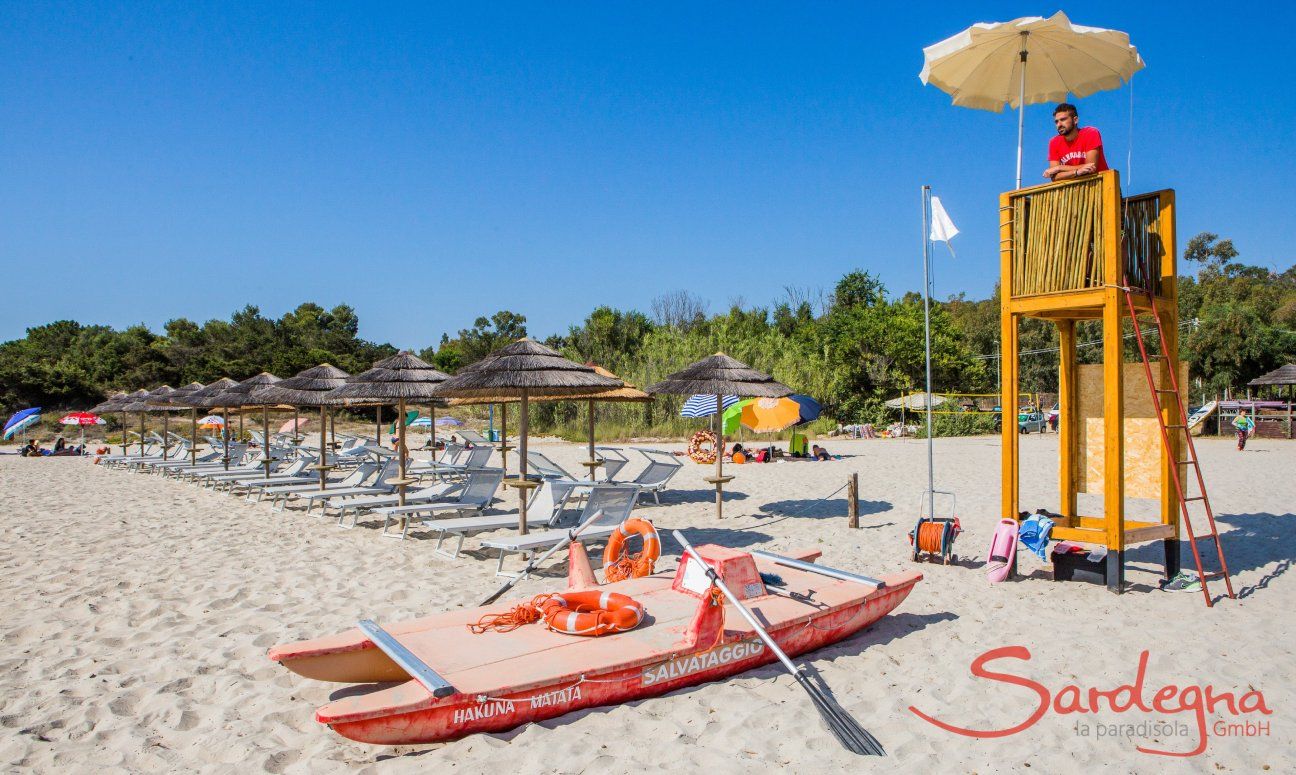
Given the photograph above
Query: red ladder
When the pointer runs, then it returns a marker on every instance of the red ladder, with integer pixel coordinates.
(1189, 447)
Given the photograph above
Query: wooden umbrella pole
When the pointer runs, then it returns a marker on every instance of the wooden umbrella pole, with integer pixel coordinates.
(166, 433)
(503, 444)
(141, 434)
(522, 466)
(240, 426)
(297, 428)
(193, 436)
(324, 438)
(400, 454)
(265, 438)
(720, 445)
(432, 429)
(378, 426)
(592, 461)
(125, 451)
(225, 433)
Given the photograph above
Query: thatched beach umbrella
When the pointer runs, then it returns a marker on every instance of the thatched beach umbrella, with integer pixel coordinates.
(133, 402)
(720, 375)
(307, 388)
(240, 396)
(400, 379)
(206, 399)
(113, 404)
(172, 400)
(520, 370)
(158, 400)
(627, 393)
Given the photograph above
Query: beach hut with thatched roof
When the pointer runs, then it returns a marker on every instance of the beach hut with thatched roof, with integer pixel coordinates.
(720, 375)
(401, 379)
(307, 388)
(520, 370)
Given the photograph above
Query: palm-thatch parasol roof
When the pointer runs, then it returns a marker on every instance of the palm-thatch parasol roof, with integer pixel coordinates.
(305, 388)
(110, 404)
(241, 393)
(526, 365)
(401, 377)
(133, 402)
(627, 393)
(1283, 375)
(158, 400)
(721, 375)
(204, 398)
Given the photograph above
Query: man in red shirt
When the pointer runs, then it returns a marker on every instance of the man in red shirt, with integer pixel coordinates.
(1076, 150)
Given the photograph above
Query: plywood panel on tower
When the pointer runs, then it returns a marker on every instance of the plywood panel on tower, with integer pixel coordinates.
(1142, 437)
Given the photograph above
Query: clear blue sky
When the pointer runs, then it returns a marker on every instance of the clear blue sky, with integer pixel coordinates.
(430, 165)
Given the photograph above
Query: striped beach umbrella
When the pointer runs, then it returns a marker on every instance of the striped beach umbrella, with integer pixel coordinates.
(703, 405)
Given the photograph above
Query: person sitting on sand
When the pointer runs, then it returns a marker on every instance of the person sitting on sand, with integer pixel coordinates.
(59, 445)
(1076, 151)
(819, 453)
(32, 449)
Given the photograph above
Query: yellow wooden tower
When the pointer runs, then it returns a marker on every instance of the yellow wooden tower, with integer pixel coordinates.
(1068, 251)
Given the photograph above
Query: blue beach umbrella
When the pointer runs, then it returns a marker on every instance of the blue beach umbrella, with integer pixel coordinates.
(20, 420)
(704, 405)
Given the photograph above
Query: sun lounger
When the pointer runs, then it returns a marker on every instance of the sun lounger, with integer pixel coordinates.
(206, 457)
(281, 494)
(613, 461)
(542, 511)
(662, 467)
(428, 494)
(297, 472)
(375, 486)
(280, 466)
(613, 501)
(477, 457)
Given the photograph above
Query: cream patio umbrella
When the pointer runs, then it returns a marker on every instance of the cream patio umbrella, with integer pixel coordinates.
(520, 370)
(1028, 61)
(721, 376)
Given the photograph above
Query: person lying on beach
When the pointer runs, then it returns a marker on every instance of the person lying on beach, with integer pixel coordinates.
(819, 453)
(1076, 151)
(32, 449)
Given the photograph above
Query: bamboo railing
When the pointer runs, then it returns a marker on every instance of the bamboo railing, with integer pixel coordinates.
(1057, 238)
(1142, 245)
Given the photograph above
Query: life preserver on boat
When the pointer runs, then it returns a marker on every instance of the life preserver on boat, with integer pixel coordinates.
(702, 447)
(592, 613)
(618, 564)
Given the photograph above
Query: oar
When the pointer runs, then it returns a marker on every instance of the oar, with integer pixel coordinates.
(846, 729)
(537, 562)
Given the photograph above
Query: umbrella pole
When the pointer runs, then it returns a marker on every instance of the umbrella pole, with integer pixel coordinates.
(265, 439)
(1021, 109)
(297, 428)
(503, 444)
(225, 434)
(193, 436)
(719, 479)
(123, 427)
(166, 433)
(592, 461)
(324, 442)
(432, 429)
(522, 466)
(378, 426)
(400, 452)
(142, 428)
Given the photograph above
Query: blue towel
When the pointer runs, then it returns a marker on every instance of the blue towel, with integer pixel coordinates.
(1034, 534)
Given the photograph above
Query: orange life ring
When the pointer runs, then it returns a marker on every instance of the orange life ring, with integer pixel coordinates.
(591, 613)
(617, 564)
(702, 447)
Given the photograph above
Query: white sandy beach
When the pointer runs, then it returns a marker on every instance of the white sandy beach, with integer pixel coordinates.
(138, 612)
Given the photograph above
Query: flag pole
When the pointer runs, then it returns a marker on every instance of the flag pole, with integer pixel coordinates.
(926, 235)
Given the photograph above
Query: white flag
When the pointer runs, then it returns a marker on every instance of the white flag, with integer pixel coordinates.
(942, 228)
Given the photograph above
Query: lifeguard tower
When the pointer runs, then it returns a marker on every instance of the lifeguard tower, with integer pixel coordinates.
(1076, 250)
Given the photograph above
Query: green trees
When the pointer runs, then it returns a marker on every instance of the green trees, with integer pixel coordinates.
(852, 348)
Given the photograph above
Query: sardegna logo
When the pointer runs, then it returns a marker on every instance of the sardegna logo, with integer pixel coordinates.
(1239, 715)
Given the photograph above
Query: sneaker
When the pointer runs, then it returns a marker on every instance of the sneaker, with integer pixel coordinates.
(1182, 583)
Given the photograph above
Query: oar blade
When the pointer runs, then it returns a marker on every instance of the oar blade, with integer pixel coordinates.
(843, 726)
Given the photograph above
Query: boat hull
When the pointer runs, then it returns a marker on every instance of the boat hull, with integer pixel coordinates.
(462, 715)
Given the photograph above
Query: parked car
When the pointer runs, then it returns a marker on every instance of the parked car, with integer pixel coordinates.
(1031, 421)
(1051, 416)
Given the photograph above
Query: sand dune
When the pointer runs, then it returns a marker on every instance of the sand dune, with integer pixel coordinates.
(138, 611)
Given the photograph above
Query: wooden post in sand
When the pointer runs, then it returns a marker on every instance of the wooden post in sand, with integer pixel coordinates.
(852, 501)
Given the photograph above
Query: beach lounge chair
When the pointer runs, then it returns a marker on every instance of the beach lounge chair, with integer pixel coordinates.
(613, 502)
(564, 484)
(206, 457)
(475, 495)
(236, 454)
(282, 493)
(427, 494)
(613, 461)
(299, 471)
(662, 467)
(477, 457)
(448, 457)
(280, 466)
(377, 485)
(472, 437)
(542, 511)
